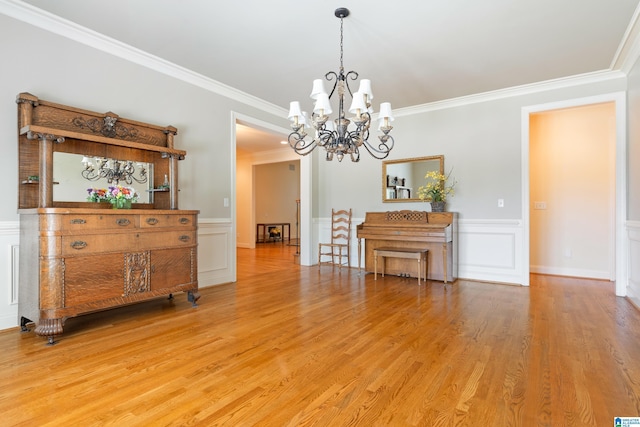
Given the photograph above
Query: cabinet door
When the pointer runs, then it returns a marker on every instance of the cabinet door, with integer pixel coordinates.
(172, 267)
(90, 279)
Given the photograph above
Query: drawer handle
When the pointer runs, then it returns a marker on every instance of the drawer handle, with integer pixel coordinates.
(184, 238)
(78, 244)
(123, 221)
(152, 221)
(78, 221)
(184, 220)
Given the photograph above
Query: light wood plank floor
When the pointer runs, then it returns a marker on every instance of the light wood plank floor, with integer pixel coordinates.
(295, 346)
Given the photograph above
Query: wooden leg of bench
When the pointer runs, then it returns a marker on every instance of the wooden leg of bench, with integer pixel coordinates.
(375, 266)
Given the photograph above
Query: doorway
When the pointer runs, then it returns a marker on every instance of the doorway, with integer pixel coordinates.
(273, 153)
(533, 203)
(572, 191)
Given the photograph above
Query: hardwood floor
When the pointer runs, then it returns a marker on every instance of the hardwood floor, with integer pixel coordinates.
(293, 346)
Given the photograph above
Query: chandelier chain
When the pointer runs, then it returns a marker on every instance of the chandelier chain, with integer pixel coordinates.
(341, 44)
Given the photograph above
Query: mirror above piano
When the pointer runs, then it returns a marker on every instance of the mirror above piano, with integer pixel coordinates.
(401, 178)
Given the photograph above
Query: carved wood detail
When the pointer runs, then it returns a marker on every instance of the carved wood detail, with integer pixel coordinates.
(136, 270)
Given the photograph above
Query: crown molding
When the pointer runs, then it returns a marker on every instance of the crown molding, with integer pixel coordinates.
(629, 48)
(625, 58)
(565, 82)
(47, 21)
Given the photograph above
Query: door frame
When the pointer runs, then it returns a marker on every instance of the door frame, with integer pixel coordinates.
(305, 190)
(620, 274)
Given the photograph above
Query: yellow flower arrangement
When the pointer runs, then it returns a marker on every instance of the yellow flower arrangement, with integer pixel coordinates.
(436, 189)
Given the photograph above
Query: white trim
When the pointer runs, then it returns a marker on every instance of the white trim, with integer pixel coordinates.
(629, 49)
(565, 82)
(14, 253)
(620, 244)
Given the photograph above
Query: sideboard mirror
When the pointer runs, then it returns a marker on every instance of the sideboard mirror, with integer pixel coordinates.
(72, 187)
(401, 178)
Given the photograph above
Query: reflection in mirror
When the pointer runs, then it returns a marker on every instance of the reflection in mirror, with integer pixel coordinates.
(401, 178)
(72, 187)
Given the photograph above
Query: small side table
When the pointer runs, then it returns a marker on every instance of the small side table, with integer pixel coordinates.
(262, 231)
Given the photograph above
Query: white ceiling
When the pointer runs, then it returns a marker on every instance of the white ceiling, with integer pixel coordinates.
(414, 51)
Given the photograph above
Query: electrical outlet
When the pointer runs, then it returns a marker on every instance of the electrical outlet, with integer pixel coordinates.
(539, 205)
(225, 202)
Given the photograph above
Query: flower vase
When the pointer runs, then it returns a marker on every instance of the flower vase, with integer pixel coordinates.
(121, 203)
(438, 206)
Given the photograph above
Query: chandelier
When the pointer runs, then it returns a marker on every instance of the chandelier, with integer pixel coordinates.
(341, 136)
(113, 170)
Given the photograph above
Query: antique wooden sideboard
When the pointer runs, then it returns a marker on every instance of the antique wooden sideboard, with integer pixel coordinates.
(78, 257)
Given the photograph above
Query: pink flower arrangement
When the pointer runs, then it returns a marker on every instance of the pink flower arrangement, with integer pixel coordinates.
(112, 194)
(96, 194)
(120, 192)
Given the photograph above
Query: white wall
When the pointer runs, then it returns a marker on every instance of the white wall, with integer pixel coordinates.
(633, 156)
(276, 189)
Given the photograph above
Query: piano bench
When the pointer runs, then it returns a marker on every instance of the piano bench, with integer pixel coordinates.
(418, 254)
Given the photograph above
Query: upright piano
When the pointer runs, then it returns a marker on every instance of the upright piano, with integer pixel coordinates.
(435, 231)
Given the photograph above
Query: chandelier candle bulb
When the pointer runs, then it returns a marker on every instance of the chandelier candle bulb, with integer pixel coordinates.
(318, 88)
(358, 104)
(365, 89)
(385, 111)
(294, 112)
(323, 106)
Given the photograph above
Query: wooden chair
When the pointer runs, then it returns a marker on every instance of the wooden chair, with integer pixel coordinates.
(339, 248)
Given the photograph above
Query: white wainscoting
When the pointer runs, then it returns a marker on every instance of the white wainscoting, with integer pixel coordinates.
(490, 250)
(214, 252)
(214, 262)
(633, 261)
(9, 244)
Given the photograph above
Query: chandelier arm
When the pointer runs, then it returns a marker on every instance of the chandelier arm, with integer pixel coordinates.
(299, 145)
(325, 138)
(89, 175)
(355, 159)
(384, 148)
(353, 76)
(329, 77)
